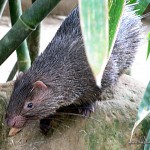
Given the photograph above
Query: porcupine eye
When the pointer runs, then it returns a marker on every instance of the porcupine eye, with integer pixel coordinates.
(30, 105)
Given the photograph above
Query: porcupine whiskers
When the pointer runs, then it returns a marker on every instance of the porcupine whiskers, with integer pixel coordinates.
(73, 114)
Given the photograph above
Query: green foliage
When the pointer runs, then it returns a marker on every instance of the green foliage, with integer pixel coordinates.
(140, 6)
(148, 50)
(99, 23)
(143, 112)
(27, 22)
(34, 42)
(94, 24)
(132, 1)
(23, 58)
(115, 13)
(147, 146)
(144, 108)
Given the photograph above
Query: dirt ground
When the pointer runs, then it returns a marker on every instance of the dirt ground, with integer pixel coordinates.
(140, 69)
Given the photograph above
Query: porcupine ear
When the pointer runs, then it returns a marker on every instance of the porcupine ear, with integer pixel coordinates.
(39, 84)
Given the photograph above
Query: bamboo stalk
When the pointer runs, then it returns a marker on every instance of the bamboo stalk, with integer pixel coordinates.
(22, 50)
(27, 23)
(34, 42)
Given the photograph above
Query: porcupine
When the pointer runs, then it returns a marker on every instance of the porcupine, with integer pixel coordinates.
(61, 75)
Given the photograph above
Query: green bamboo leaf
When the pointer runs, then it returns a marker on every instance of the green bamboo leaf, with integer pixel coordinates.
(140, 6)
(147, 146)
(110, 3)
(144, 109)
(132, 1)
(148, 49)
(115, 13)
(94, 24)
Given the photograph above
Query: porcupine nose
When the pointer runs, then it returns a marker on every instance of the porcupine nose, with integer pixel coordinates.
(17, 121)
(10, 122)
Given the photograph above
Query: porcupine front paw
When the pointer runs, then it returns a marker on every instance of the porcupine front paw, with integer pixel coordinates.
(45, 125)
(86, 110)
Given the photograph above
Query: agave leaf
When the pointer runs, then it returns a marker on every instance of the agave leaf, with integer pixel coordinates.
(115, 13)
(147, 145)
(144, 109)
(94, 24)
(148, 50)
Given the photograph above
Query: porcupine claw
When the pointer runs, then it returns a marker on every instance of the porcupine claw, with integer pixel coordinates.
(45, 125)
(87, 110)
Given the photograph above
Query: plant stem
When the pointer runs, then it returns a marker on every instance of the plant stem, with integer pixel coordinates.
(22, 50)
(34, 42)
(27, 22)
